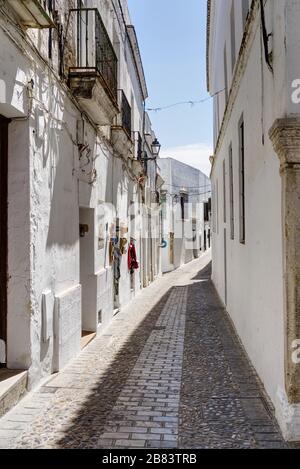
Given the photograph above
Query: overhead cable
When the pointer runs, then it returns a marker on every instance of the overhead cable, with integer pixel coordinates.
(192, 103)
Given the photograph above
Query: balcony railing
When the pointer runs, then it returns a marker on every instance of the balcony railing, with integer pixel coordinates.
(139, 147)
(121, 131)
(125, 114)
(141, 154)
(94, 50)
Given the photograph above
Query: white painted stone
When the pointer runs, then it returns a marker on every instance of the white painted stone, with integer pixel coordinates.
(255, 271)
(188, 236)
(50, 181)
(47, 314)
(67, 327)
(288, 416)
(13, 79)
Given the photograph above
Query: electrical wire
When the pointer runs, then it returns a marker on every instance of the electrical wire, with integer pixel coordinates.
(192, 195)
(181, 103)
(186, 187)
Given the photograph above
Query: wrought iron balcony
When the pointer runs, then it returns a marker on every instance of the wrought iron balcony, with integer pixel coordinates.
(141, 154)
(34, 13)
(94, 79)
(138, 164)
(139, 147)
(125, 114)
(121, 131)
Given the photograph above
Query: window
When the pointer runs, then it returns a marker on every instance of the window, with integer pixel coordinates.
(225, 74)
(50, 37)
(231, 193)
(184, 198)
(139, 147)
(99, 317)
(214, 208)
(224, 192)
(217, 206)
(232, 35)
(245, 11)
(163, 200)
(206, 211)
(242, 179)
(80, 33)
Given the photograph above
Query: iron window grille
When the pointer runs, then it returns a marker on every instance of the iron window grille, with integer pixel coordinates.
(125, 113)
(184, 199)
(242, 180)
(94, 50)
(139, 147)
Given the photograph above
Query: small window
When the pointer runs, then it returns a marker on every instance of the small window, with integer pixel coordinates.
(139, 147)
(100, 317)
(206, 211)
(50, 37)
(214, 206)
(163, 199)
(242, 179)
(217, 206)
(231, 193)
(184, 198)
(224, 191)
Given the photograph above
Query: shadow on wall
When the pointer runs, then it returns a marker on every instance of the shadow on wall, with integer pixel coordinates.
(13, 77)
(64, 212)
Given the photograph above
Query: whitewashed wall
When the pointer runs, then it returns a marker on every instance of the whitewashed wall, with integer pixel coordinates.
(254, 270)
(52, 190)
(177, 175)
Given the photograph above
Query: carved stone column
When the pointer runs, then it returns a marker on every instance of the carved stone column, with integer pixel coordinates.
(285, 136)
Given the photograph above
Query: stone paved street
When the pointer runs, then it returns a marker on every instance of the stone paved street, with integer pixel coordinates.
(168, 373)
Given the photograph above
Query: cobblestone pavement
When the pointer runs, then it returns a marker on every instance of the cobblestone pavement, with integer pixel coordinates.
(222, 403)
(168, 373)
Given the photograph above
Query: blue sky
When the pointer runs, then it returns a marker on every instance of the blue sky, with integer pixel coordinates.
(172, 39)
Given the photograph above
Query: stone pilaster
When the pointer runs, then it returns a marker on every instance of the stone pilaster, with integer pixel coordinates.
(285, 136)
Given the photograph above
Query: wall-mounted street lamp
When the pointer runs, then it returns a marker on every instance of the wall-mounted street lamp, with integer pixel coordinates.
(155, 147)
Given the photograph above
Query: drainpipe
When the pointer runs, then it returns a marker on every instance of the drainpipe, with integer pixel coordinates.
(266, 36)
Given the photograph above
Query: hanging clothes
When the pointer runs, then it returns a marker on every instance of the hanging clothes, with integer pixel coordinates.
(111, 252)
(132, 259)
(123, 243)
(117, 263)
(117, 256)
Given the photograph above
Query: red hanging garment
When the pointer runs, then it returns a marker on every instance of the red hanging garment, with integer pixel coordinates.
(132, 260)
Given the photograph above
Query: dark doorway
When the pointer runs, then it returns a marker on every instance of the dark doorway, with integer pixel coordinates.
(3, 236)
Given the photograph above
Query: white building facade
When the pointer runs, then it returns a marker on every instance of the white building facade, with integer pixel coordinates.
(73, 177)
(185, 194)
(253, 74)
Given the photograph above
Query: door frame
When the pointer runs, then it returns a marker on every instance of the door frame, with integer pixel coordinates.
(3, 230)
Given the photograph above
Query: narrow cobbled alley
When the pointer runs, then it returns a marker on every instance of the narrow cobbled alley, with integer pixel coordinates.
(168, 373)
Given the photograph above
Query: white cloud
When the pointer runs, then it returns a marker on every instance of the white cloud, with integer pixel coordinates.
(196, 155)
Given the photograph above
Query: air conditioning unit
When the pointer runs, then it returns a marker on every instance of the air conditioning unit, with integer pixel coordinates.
(33, 13)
